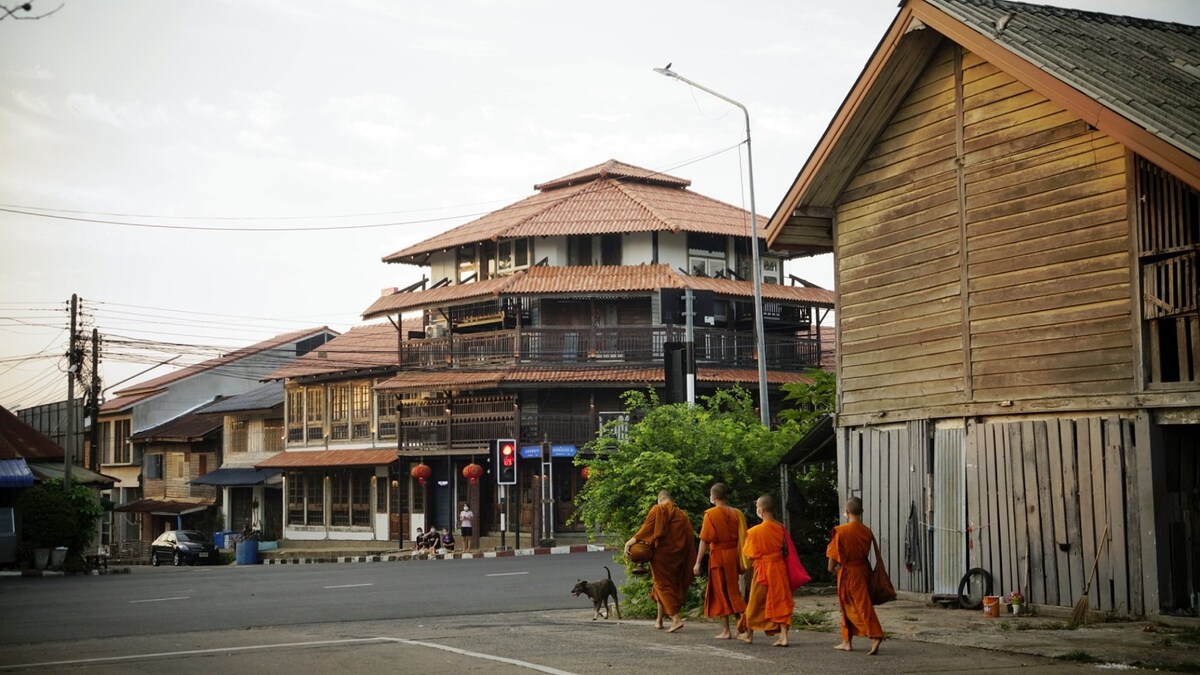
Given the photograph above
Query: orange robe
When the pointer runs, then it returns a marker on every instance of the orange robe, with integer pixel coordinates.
(849, 547)
(669, 531)
(771, 604)
(720, 531)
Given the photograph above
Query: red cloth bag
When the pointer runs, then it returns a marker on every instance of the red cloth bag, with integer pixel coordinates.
(797, 575)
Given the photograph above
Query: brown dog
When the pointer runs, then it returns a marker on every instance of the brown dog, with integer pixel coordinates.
(599, 592)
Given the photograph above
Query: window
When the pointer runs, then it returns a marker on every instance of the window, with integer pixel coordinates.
(610, 249)
(314, 414)
(295, 415)
(1168, 230)
(181, 464)
(116, 439)
(154, 467)
(202, 469)
(521, 253)
(579, 250)
(360, 410)
(239, 432)
(339, 412)
(295, 498)
(339, 499)
(360, 496)
(468, 269)
(771, 268)
(272, 436)
(314, 499)
(387, 415)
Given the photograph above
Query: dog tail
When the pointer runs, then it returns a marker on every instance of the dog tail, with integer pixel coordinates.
(608, 573)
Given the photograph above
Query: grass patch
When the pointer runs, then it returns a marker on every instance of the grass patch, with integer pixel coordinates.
(1004, 626)
(1077, 656)
(817, 621)
(1049, 625)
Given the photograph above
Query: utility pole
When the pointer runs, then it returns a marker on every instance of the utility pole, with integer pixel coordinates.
(72, 369)
(93, 410)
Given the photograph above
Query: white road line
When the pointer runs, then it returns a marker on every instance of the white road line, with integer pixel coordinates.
(316, 643)
(179, 597)
(505, 574)
(349, 585)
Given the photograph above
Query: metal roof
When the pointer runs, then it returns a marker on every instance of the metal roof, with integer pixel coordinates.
(19, 440)
(15, 473)
(190, 426)
(236, 476)
(163, 507)
(1148, 71)
(265, 397)
(321, 458)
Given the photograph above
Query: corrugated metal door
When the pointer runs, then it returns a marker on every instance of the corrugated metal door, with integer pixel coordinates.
(949, 510)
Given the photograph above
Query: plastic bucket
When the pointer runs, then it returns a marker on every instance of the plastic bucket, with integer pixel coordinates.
(247, 552)
(991, 606)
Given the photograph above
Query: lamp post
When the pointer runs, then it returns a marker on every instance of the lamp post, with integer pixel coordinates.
(759, 337)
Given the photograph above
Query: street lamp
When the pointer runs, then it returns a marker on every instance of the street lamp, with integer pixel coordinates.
(760, 338)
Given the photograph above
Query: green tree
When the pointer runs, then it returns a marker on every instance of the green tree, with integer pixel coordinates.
(812, 399)
(681, 448)
(51, 516)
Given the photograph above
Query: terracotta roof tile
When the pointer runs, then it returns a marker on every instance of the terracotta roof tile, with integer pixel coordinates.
(617, 199)
(231, 357)
(595, 280)
(360, 348)
(316, 458)
(492, 379)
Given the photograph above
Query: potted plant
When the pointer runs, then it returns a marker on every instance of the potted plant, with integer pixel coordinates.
(1016, 602)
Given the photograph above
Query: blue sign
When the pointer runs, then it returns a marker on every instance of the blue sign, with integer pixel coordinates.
(562, 451)
(531, 452)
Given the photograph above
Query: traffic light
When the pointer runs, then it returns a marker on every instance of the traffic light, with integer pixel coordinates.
(506, 462)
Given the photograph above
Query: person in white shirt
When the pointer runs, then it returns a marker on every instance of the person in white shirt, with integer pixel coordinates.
(466, 520)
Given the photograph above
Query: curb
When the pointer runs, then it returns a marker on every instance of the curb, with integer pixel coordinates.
(539, 550)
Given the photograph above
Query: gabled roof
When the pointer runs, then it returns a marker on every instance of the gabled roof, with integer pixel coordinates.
(1134, 79)
(610, 198)
(596, 280)
(265, 397)
(152, 386)
(188, 427)
(361, 348)
(18, 440)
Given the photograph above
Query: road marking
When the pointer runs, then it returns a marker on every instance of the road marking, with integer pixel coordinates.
(285, 645)
(707, 649)
(505, 574)
(349, 585)
(178, 597)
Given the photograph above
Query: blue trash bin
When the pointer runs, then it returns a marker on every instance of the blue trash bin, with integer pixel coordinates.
(247, 552)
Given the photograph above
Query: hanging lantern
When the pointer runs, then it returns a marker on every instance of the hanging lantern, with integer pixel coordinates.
(421, 472)
(472, 472)
(585, 472)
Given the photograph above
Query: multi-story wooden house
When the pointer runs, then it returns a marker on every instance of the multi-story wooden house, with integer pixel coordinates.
(1012, 196)
(146, 405)
(535, 318)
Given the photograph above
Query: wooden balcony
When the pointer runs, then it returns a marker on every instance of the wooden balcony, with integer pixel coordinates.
(633, 345)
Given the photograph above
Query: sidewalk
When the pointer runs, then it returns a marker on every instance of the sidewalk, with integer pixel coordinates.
(1168, 644)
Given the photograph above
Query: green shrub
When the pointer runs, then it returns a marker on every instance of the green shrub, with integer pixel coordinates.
(52, 517)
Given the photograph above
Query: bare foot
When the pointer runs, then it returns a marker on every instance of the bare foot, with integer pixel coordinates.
(722, 636)
(658, 625)
(874, 647)
(779, 643)
(675, 626)
(844, 647)
(748, 638)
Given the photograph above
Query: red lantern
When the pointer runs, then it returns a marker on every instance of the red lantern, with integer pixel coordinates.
(421, 472)
(472, 472)
(585, 472)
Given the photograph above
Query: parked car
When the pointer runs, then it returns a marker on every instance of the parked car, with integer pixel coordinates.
(184, 547)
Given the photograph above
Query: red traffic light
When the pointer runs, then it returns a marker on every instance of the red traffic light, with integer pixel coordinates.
(506, 460)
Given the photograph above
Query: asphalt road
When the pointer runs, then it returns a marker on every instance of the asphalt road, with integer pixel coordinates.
(502, 615)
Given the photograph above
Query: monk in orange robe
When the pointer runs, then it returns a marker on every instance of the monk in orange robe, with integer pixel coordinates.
(847, 553)
(719, 536)
(770, 606)
(669, 531)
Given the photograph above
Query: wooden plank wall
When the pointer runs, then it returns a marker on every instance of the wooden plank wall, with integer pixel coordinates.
(900, 310)
(1048, 241)
(888, 469)
(1043, 491)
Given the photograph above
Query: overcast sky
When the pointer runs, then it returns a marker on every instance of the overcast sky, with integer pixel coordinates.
(413, 117)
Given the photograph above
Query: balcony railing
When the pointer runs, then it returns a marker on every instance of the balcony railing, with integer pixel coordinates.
(637, 345)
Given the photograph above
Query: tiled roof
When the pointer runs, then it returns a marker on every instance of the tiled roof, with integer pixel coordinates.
(360, 348)
(315, 458)
(164, 506)
(591, 280)
(151, 386)
(18, 440)
(190, 426)
(127, 401)
(521, 375)
(263, 398)
(595, 201)
(1148, 71)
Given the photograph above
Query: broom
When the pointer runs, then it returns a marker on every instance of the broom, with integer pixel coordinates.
(1079, 615)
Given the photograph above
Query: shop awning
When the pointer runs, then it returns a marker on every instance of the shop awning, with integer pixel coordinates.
(15, 473)
(320, 458)
(161, 507)
(236, 476)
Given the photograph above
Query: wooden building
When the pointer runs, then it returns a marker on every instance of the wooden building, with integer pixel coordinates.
(1012, 196)
(535, 318)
